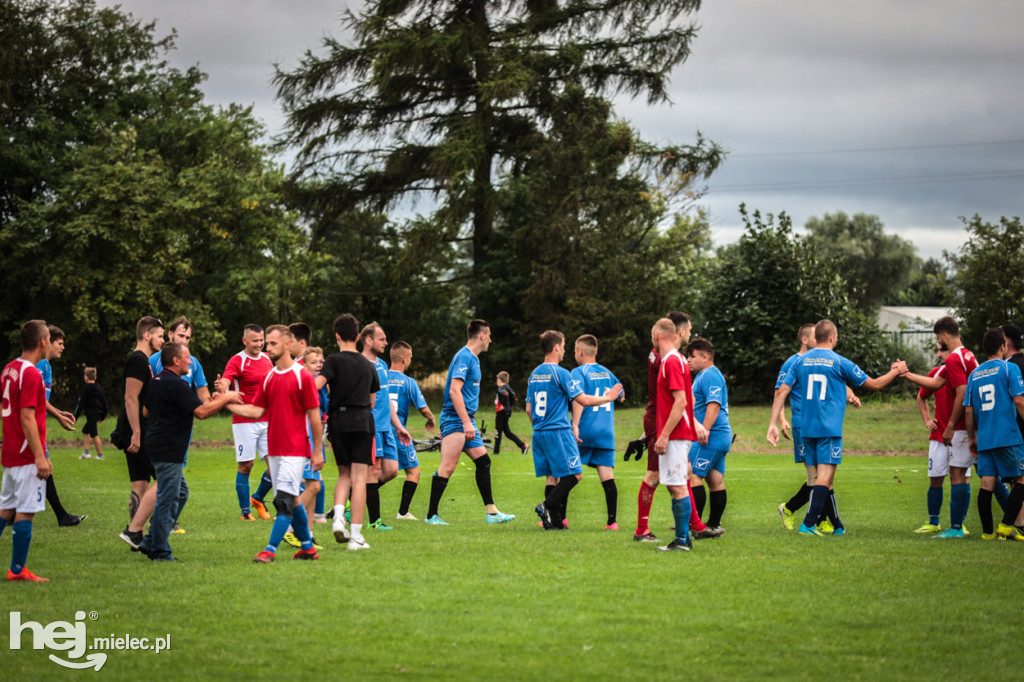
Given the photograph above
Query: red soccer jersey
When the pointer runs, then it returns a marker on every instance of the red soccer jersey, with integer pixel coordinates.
(22, 387)
(959, 365)
(246, 373)
(287, 395)
(674, 375)
(943, 404)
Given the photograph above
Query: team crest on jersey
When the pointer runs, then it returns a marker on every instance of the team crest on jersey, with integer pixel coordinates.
(463, 368)
(574, 461)
(574, 384)
(836, 451)
(782, 375)
(715, 392)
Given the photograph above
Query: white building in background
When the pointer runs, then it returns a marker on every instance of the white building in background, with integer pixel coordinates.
(911, 326)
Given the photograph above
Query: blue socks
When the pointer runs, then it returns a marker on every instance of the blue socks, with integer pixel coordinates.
(3, 524)
(242, 490)
(21, 538)
(959, 501)
(934, 505)
(320, 497)
(300, 526)
(819, 496)
(264, 487)
(280, 527)
(681, 513)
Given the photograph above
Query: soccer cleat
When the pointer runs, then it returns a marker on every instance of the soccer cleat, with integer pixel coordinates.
(545, 516)
(645, 537)
(813, 530)
(292, 540)
(406, 517)
(178, 530)
(612, 526)
(708, 533)
(988, 536)
(1009, 532)
(826, 527)
(675, 546)
(329, 514)
(380, 525)
(348, 510)
(929, 528)
(839, 532)
(306, 554)
(964, 529)
(247, 516)
(358, 543)
(99, 455)
(526, 449)
(950, 533)
(787, 516)
(264, 557)
(500, 517)
(85, 455)
(434, 520)
(316, 545)
(71, 520)
(25, 576)
(132, 537)
(340, 531)
(261, 508)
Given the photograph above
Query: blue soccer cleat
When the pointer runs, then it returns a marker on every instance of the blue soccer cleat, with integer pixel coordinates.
(950, 533)
(435, 520)
(500, 517)
(809, 530)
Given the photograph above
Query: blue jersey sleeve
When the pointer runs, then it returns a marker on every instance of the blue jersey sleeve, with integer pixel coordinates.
(156, 364)
(416, 395)
(198, 375)
(1016, 381)
(969, 391)
(572, 386)
(853, 374)
(785, 370)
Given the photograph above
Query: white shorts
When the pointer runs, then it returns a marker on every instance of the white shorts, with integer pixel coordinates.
(674, 465)
(22, 490)
(250, 439)
(938, 458)
(960, 452)
(286, 473)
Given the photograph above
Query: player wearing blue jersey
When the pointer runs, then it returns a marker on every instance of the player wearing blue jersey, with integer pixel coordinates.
(405, 392)
(313, 361)
(390, 431)
(714, 433)
(992, 401)
(458, 429)
(822, 376)
(556, 453)
(787, 510)
(594, 427)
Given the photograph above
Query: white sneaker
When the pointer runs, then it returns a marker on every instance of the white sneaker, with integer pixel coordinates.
(340, 531)
(406, 517)
(85, 455)
(357, 543)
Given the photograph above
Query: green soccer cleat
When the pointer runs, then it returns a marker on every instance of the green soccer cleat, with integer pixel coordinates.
(826, 527)
(292, 540)
(988, 536)
(787, 517)
(950, 533)
(929, 528)
(1009, 532)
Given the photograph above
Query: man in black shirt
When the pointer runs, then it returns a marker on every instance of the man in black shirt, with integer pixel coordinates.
(353, 383)
(503, 402)
(170, 405)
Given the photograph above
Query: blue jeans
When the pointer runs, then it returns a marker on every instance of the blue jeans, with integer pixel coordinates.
(171, 495)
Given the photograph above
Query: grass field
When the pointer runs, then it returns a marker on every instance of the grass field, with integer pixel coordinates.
(474, 601)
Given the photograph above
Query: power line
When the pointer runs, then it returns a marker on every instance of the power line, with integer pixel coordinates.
(876, 149)
(868, 182)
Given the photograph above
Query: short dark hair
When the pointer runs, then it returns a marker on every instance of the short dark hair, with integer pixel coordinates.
(32, 332)
(475, 327)
(1014, 335)
(369, 330)
(823, 330)
(679, 319)
(400, 349)
(301, 331)
(253, 327)
(171, 350)
(946, 325)
(550, 339)
(503, 376)
(993, 340)
(802, 332)
(90, 373)
(589, 344)
(180, 321)
(346, 326)
(56, 333)
(702, 345)
(147, 323)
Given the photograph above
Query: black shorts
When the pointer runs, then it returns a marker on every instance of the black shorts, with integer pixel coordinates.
(140, 468)
(352, 447)
(91, 427)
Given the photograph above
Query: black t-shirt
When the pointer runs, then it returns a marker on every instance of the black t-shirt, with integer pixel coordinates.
(506, 397)
(171, 403)
(351, 379)
(137, 367)
(1018, 359)
(93, 401)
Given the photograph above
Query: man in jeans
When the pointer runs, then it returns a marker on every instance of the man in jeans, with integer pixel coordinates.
(171, 405)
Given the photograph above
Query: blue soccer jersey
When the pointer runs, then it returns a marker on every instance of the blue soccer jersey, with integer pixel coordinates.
(548, 394)
(466, 366)
(44, 368)
(382, 407)
(990, 392)
(195, 378)
(796, 402)
(709, 387)
(405, 392)
(597, 423)
(820, 377)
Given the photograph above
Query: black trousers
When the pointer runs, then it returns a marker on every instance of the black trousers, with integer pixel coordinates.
(501, 427)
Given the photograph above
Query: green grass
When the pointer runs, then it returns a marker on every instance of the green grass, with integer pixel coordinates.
(473, 601)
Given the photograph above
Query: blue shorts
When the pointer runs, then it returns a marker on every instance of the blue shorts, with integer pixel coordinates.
(822, 451)
(308, 474)
(387, 443)
(798, 445)
(450, 426)
(407, 458)
(556, 454)
(703, 459)
(597, 457)
(1007, 462)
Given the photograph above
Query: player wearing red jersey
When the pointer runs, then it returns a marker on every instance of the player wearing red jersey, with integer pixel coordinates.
(23, 456)
(938, 452)
(245, 372)
(288, 401)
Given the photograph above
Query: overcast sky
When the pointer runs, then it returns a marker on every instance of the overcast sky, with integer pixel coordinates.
(912, 110)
